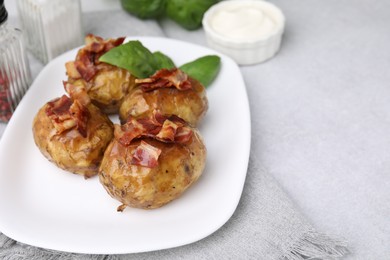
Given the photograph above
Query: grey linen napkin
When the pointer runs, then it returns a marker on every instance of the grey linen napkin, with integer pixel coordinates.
(266, 224)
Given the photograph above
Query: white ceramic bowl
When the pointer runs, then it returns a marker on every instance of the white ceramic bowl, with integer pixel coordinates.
(251, 50)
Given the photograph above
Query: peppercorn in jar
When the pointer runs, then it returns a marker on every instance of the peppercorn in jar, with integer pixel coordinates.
(15, 75)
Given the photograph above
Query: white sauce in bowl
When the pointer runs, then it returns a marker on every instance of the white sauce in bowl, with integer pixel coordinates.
(249, 31)
(243, 22)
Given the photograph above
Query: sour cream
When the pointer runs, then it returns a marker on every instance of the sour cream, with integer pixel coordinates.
(242, 23)
(249, 31)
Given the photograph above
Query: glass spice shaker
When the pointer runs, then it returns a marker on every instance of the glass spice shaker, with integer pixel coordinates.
(15, 77)
(51, 27)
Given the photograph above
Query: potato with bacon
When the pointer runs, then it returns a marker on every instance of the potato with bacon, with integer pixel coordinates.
(152, 161)
(106, 84)
(72, 132)
(172, 92)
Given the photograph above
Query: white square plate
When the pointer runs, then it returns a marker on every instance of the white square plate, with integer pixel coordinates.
(44, 206)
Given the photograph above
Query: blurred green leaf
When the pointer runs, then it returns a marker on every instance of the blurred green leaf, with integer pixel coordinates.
(144, 9)
(188, 13)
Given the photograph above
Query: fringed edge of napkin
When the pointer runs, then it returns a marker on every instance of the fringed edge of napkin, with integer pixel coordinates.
(13, 250)
(5, 241)
(314, 245)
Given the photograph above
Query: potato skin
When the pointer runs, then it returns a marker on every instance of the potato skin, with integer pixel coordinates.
(69, 150)
(179, 166)
(190, 105)
(108, 87)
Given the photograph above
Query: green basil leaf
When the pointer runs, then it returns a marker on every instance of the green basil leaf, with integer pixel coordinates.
(163, 61)
(204, 69)
(132, 56)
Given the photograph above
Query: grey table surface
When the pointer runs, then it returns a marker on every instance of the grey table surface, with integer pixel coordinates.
(320, 116)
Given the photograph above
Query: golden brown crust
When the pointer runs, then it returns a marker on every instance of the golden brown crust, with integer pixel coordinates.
(107, 85)
(179, 166)
(191, 104)
(69, 150)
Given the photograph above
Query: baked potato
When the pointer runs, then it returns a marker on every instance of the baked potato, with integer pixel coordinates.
(106, 84)
(72, 132)
(151, 162)
(171, 92)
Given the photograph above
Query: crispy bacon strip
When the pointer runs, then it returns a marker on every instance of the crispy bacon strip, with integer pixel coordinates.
(97, 44)
(85, 65)
(77, 92)
(80, 114)
(66, 114)
(134, 129)
(59, 106)
(57, 111)
(165, 78)
(146, 155)
(183, 134)
(87, 58)
(71, 70)
(167, 129)
(127, 133)
(94, 43)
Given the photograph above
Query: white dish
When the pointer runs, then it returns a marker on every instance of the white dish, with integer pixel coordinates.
(251, 47)
(44, 206)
